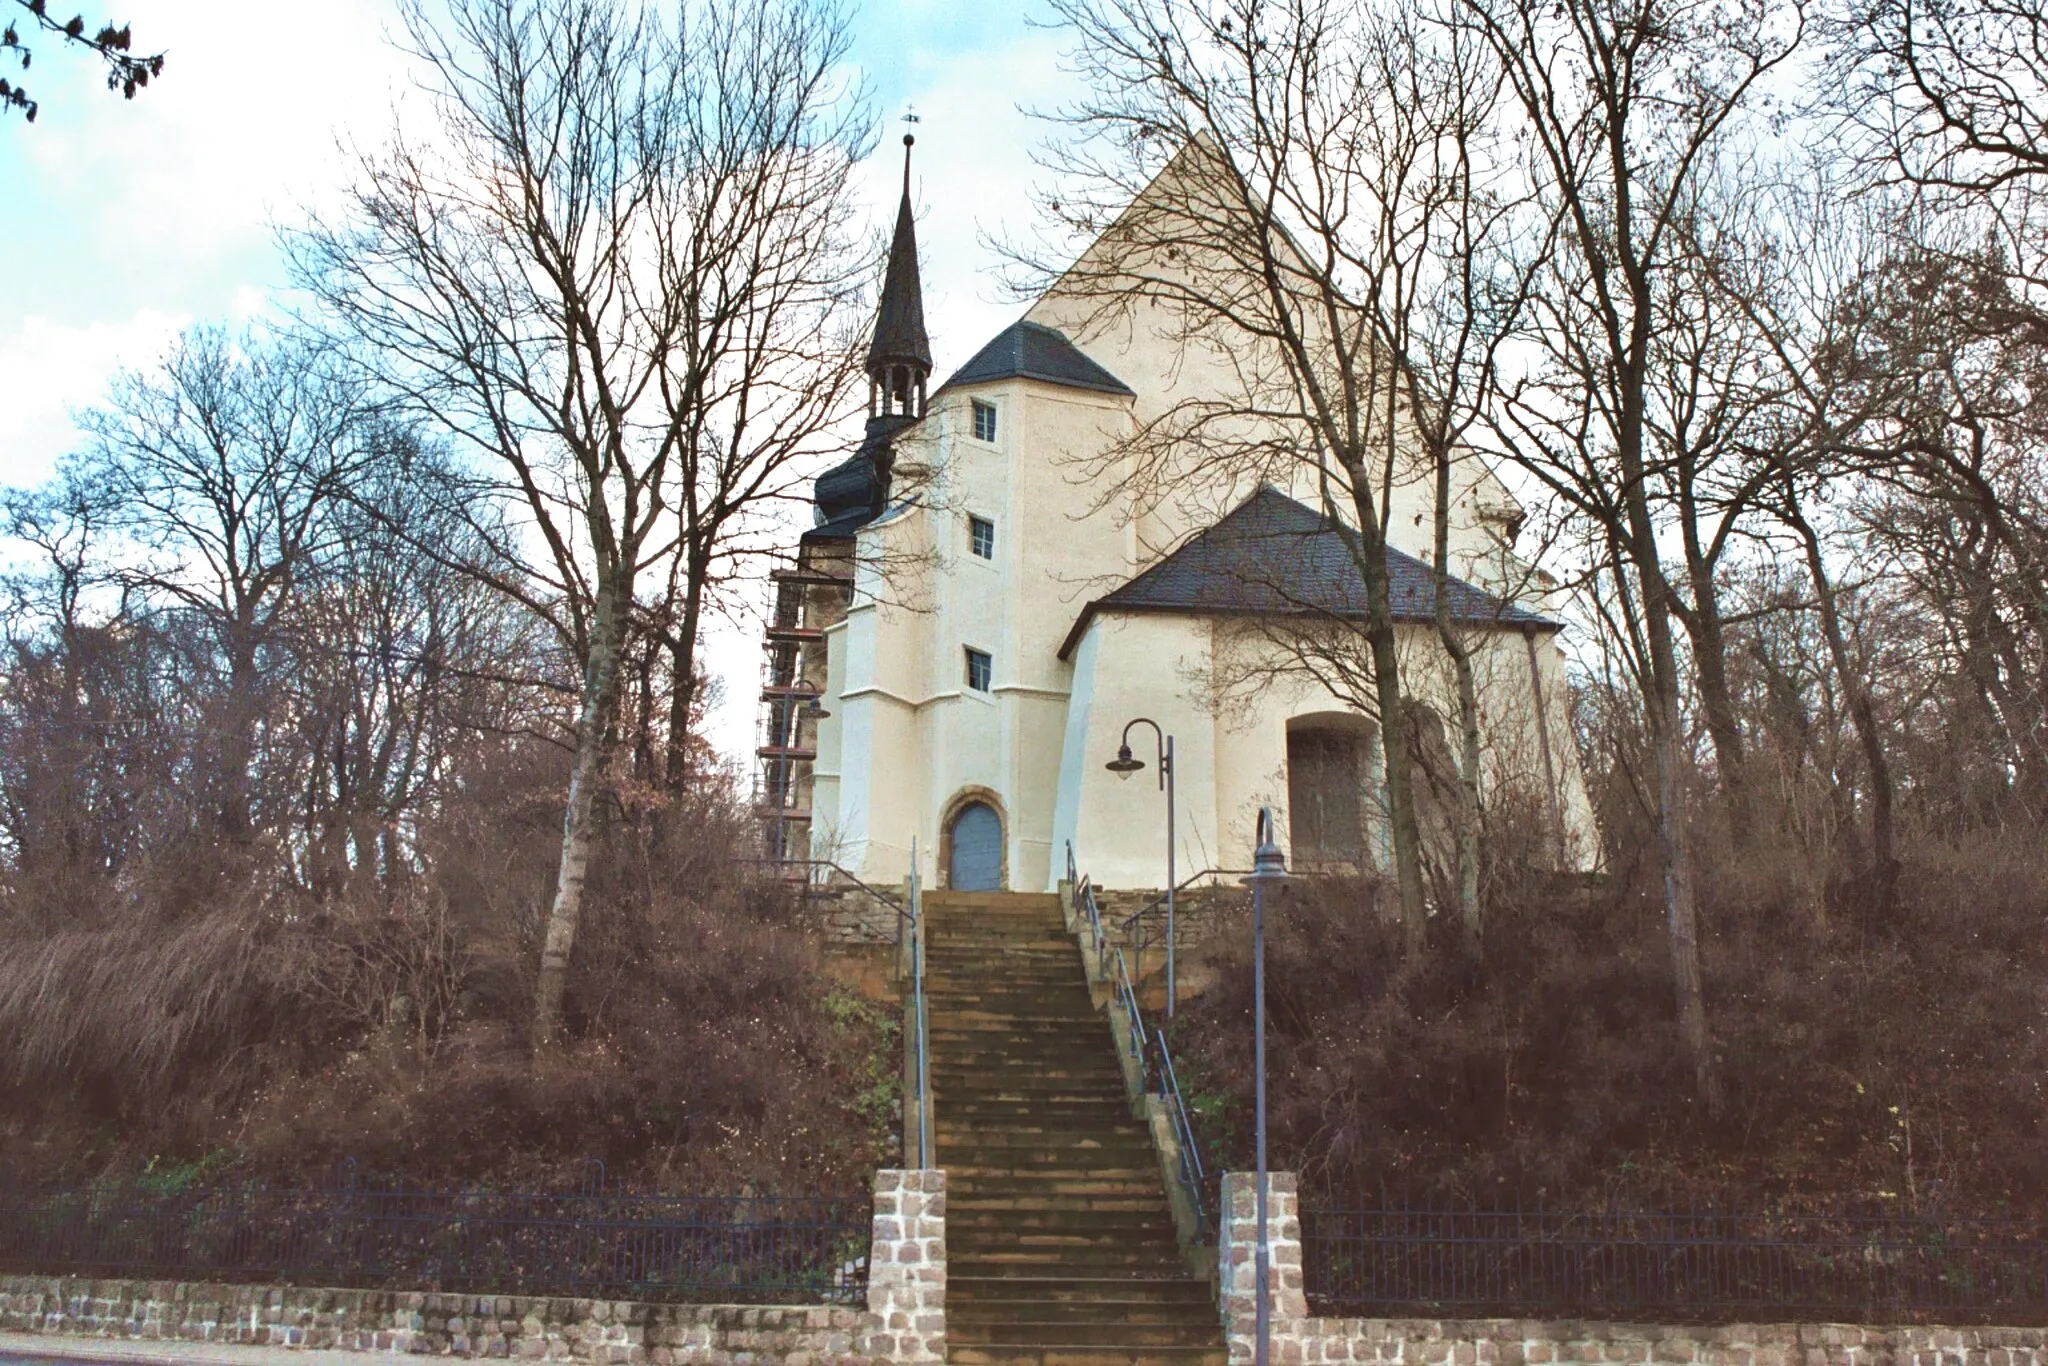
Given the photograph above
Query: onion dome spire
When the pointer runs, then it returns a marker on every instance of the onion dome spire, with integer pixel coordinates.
(900, 356)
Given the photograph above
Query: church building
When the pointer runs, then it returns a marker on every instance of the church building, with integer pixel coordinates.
(983, 619)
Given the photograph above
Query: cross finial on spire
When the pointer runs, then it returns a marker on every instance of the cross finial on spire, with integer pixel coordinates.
(909, 141)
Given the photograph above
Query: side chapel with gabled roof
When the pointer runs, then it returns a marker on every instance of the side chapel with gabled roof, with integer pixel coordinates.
(975, 617)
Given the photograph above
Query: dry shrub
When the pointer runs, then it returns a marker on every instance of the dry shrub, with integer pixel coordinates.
(1901, 1065)
(706, 1049)
(129, 1019)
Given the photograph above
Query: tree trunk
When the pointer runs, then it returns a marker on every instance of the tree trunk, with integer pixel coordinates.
(236, 813)
(1405, 829)
(1401, 820)
(1681, 915)
(1717, 705)
(579, 822)
(1467, 823)
(1661, 707)
(1883, 870)
(682, 695)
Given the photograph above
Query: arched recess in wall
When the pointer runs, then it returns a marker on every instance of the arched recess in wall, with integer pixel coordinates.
(954, 837)
(1330, 782)
(1434, 770)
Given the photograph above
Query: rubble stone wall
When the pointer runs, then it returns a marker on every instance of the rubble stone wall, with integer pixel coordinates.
(1299, 1337)
(903, 1325)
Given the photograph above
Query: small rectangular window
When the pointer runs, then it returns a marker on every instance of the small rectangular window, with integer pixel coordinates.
(984, 421)
(981, 536)
(978, 669)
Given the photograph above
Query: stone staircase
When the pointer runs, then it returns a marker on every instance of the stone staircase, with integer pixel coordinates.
(1060, 1245)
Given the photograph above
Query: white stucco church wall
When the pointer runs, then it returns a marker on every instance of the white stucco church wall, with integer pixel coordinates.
(912, 735)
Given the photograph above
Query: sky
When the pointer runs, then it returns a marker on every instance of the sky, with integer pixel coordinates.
(122, 223)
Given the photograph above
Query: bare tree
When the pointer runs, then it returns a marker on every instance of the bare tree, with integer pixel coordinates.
(516, 280)
(222, 472)
(757, 260)
(1623, 105)
(1320, 240)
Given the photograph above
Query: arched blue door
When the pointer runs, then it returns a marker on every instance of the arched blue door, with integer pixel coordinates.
(976, 864)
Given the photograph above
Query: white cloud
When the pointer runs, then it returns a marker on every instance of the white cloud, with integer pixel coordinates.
(241, 128)
(48, 369)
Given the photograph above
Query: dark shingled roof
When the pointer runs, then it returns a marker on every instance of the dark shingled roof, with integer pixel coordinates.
(1031, 351)
(1272, 556)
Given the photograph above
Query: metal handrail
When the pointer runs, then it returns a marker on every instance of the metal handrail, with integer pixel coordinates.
(1192, 1172)
(1158, 903)
(1129, 993)
(921, 1015)
(1193, 1177)
(877, 893)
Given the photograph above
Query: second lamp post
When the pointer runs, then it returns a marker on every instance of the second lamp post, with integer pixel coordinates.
(1124, 765)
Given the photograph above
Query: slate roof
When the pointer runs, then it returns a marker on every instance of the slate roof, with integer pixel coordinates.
(853, 493)
(899, 320)
(1272, 556)
(1032, 351)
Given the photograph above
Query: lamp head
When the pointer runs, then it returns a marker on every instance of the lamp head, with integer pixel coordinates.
(1268, 863)
(1124, 765)
(813, 712)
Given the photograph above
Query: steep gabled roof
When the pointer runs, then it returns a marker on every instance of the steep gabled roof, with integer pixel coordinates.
(1272, 556)
(1031, 350)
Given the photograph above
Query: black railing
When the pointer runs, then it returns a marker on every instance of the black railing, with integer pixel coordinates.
(653, 1247)
(1150, 1056)
(1395, 1262)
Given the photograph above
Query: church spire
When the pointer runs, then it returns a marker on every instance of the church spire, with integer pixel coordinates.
(900, 356)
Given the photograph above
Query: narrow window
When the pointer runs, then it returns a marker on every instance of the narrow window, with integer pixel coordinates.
(984, 421)
(978, 669)
(981, 535)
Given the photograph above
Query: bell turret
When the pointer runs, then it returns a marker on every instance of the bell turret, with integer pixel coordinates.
(900, 356)
(854, 492)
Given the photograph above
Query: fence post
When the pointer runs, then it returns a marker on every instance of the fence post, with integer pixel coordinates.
(1237, 1278)
(907, 1269)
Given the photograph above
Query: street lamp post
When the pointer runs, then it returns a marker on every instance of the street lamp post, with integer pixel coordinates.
(1268, 865)
(1124, 765)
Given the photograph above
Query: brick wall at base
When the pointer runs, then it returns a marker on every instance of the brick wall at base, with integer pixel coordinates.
(1299, 1338)
(904, 1324)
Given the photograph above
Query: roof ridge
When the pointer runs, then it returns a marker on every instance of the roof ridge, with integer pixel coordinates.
(1219, 571)
(1032, 350)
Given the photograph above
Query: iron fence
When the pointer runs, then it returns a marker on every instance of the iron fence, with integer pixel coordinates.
(1692, 1267)
(592, 1242)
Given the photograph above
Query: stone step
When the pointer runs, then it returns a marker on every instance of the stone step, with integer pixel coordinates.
(1134, 1237)
(1062, 1354)
(1016, 1078)
(1096, 1201)
(1041, 1253)
(976, 1310)
(1061, 1245)
(1167, 1289)
(1076, 1137)
(1053, 1107)
(1034, 1193)
(1098, 1333)
(1076, 1219)
(1017, 1014)
(962, 1097)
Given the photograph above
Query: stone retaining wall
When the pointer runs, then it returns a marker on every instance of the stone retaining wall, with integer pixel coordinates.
(1298, 1337)
(903, 1325)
